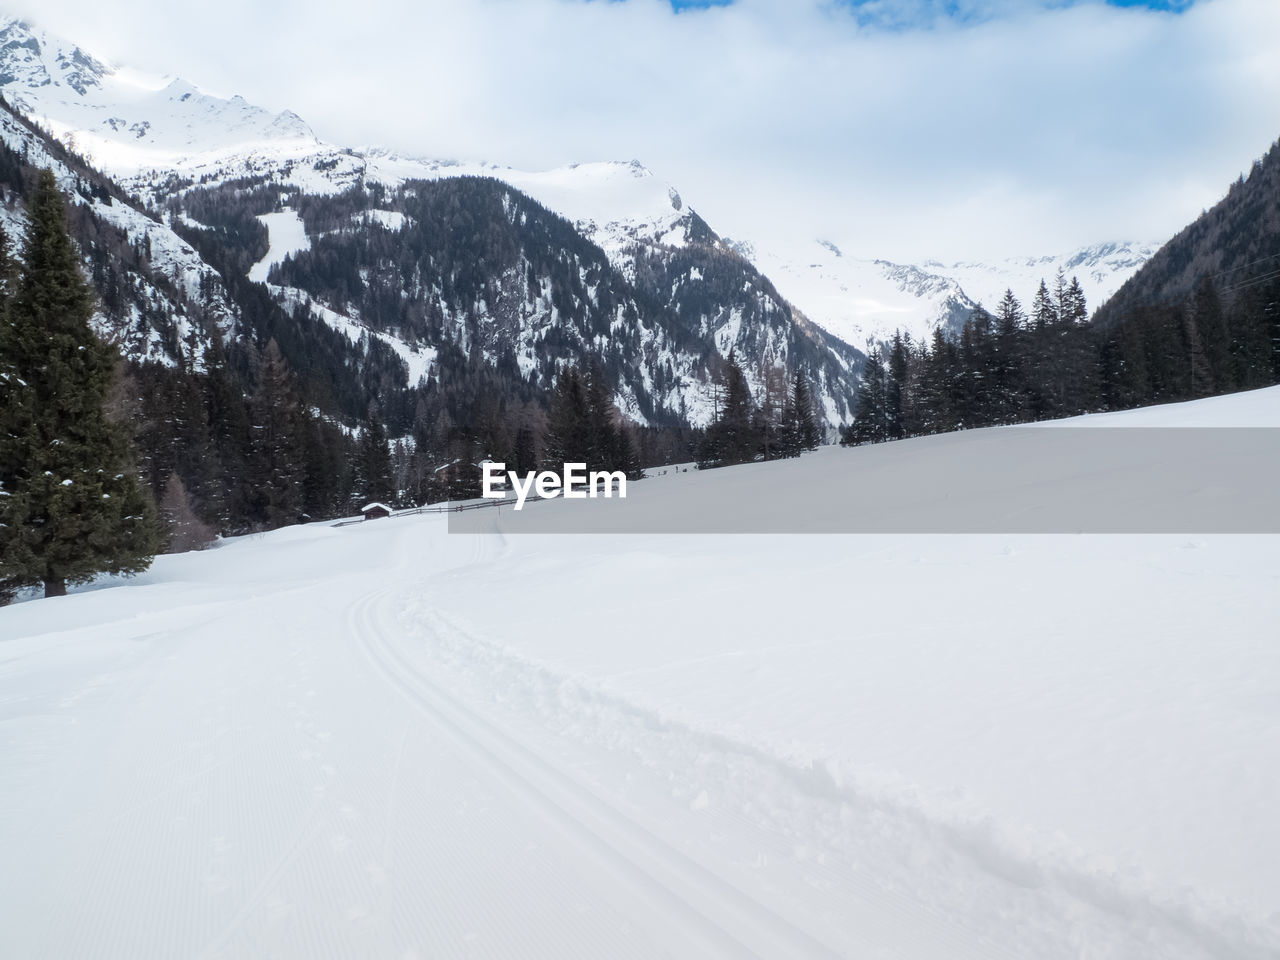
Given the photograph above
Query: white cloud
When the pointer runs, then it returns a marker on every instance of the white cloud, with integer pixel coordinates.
(1021, 130)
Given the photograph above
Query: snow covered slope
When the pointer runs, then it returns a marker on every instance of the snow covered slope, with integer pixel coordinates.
(168, 302)
(126, 121)
(386, 740)
(860, 300)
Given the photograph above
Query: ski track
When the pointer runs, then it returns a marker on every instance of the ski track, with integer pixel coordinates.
(723, 919)
(864, 854)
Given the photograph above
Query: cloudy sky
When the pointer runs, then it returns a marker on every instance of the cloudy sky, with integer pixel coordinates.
(904, 129)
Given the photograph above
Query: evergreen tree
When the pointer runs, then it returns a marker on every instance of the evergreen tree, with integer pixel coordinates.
(1073, 310)
(807, 434)
(1211, 323)
(229, 435)
(971, 398)
(774, 413)
(1005, 381)
(732, 437)
(1251, 336)
(1043, 314)
(895, 412)
(72, 504)
(376, 481)
(937, 414)
(870, 424)
(525, 455)
(275, 471)
(568, 438)
(327, 480)
(604, 443)
(1199, 372)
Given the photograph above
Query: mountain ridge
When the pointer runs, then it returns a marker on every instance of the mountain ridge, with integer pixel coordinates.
(855, 300)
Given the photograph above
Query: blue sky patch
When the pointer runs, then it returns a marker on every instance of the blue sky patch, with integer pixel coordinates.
(959, 8)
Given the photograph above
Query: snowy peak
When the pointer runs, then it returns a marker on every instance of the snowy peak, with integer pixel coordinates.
(1101, 269)
(30, 60)
(860, 300)
(125, 121)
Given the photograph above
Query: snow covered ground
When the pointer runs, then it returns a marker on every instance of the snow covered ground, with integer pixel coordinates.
(385, 740)
(286, 235)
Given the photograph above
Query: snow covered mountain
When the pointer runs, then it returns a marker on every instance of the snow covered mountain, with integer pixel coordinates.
(158, 134)
(860, 300)
(158, 299)
(125, 120)
(630, 282)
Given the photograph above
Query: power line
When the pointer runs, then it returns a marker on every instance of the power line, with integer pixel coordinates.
(1255, 281)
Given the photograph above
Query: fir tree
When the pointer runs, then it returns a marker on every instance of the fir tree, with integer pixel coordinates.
(807, 435)
(732, 437)
(72, 506)
(375, 479)
(1211, 323)
(1006, 381)
(568, 437)
(275, 471)
(1043, 313)
(870, 423)
(525, 455)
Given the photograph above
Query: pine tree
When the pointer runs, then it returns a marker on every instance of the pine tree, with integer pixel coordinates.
(1006, 380)
(807, 434)
(739, 437)
(1200, 374)
(275, 470)
(229, 435)
(937, 393)
(732, 437)
(870, 424)
(568, 438)
(773, 411)
(1072, 310)
(971, 384)
(525, 457)
(72, 506)
(377, 484)
(896, 388)
(1211, 322)
(1043, 313)
(604, 448)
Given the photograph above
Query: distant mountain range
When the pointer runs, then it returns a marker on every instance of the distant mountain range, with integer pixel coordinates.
(161, 136)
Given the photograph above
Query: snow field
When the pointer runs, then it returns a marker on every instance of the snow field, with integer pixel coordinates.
(387, 740)
(287, 235)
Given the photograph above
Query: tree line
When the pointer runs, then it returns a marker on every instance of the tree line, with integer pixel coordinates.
(781, 423)
(1050, 361)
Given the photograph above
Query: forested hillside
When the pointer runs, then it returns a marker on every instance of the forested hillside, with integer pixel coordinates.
(1201, 318)
(253, 405)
